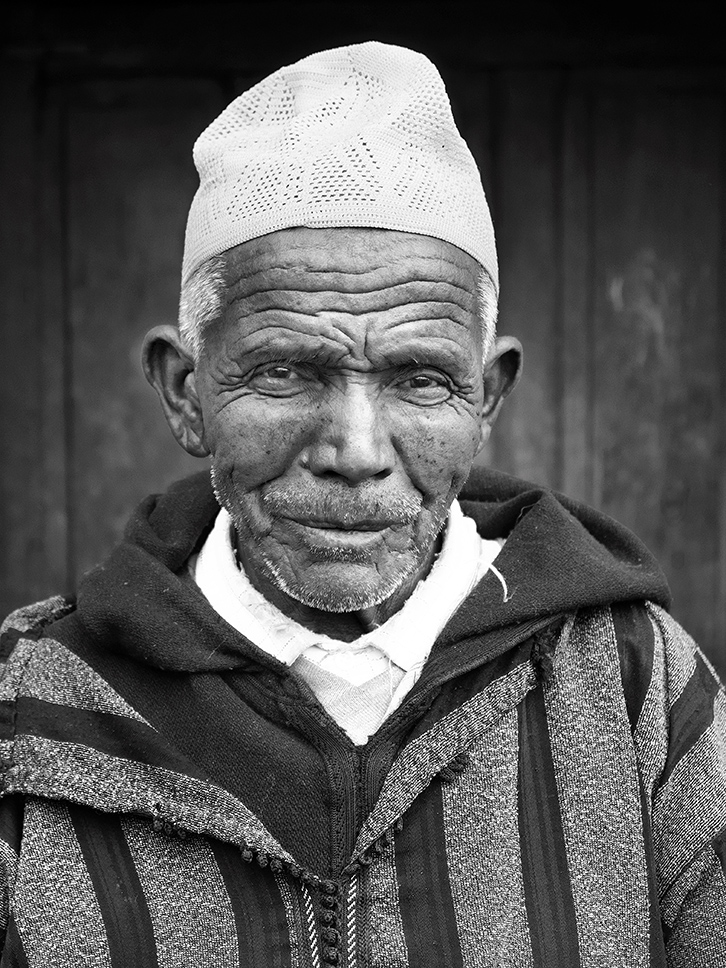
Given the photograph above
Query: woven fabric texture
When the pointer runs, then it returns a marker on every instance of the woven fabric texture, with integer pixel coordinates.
(358, 136)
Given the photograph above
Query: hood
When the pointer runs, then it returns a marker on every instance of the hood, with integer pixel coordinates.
(559, 556)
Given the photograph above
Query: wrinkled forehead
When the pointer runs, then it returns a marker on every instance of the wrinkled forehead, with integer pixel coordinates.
(350, 260)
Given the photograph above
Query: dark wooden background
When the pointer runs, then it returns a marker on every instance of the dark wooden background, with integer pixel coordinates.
(601, 139)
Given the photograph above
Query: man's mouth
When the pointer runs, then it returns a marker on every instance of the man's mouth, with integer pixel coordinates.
(342, 510)
(343, 526)
(349, 539)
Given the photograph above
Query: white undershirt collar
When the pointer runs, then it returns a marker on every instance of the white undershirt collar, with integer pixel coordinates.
(405, 639)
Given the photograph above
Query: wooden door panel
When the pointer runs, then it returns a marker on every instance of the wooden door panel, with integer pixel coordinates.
(526, 171)
(657, 204)
(130, 182)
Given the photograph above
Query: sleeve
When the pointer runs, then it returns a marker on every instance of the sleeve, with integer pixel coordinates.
(22, 625)
(11, 810)
(680, 739)
(698, 935)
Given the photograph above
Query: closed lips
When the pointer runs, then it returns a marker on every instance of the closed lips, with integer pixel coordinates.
(340, 526)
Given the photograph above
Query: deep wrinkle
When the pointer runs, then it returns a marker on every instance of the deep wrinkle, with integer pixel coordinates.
(354, 303)
(269, 343)
(373, 388)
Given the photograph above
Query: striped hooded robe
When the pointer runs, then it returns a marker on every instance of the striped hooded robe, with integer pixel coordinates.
(551, 793)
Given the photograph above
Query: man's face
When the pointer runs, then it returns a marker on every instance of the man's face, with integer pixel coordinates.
(341, 394)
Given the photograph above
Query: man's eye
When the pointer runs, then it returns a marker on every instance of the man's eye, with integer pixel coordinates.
(423, 380)
(278, 377)
(279, 373)
(425, 387)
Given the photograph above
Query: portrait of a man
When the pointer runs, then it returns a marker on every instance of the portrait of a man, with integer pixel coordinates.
(350, 694)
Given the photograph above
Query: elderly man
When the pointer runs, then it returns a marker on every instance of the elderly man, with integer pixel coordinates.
(321, 711)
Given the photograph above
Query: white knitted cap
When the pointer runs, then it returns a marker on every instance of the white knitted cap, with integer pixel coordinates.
(359, 136)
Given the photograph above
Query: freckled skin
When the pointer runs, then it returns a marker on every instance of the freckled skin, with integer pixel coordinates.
(341, 398)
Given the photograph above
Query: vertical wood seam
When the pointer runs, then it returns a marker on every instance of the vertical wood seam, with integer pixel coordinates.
(67, 329)
(493, 195)
(558, 309)
(593, 479)
(720, 604)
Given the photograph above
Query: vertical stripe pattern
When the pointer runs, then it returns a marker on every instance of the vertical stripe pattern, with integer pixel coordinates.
(384, 944)
(427, 906)
(11, 821)
(422, 759)
(8, 871)
(657, 949)
(651, 731)
(599, 795)
(480, 823)
(547, 886)
(260, 915)
(296, 933)
(118, 888)
(189, 907)
(67, 929)
(259, 912)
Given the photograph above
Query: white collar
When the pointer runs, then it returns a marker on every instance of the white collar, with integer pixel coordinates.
(405, 639)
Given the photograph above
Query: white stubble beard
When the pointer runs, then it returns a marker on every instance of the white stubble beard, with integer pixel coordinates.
(334, 601)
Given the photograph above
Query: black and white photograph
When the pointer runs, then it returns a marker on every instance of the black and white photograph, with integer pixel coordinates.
(362, 485)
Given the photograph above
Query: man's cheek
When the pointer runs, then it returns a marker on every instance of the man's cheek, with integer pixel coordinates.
(255, 451)
(439, 457)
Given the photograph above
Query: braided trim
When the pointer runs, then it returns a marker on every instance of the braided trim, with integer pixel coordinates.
(312, 928)
(350, 921)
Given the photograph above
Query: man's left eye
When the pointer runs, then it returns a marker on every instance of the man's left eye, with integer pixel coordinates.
(425, 387)
(280, 373)
(423, 381)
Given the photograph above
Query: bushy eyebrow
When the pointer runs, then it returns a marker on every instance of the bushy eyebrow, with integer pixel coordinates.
(271, 342)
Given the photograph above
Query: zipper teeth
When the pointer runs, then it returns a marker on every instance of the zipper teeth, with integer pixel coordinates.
(312, 929)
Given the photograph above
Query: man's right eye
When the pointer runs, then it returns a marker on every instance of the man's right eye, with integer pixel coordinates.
(278, 378)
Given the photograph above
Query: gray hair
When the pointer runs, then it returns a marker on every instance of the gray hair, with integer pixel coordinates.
(203, 297)
(202, 302)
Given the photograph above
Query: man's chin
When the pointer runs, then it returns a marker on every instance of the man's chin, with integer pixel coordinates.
(339, 586)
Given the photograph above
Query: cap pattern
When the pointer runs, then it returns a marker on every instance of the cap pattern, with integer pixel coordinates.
(359, 136)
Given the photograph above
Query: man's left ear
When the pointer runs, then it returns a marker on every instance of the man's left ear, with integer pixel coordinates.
(501, 374)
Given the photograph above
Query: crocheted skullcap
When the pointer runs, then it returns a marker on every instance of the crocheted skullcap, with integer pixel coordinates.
(352, 137)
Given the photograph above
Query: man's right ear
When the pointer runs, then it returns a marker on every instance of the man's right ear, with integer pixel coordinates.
(169, 368)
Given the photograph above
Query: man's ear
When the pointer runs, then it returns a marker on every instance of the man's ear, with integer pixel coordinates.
(169, 368)
(501, 374)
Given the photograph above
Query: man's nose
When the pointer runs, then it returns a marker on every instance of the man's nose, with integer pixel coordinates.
(353, 440)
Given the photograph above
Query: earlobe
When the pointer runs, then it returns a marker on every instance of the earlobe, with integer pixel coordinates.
(170, 369)
(485, 429)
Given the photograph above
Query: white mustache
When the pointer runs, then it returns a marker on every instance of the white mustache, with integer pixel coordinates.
(345, 506)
